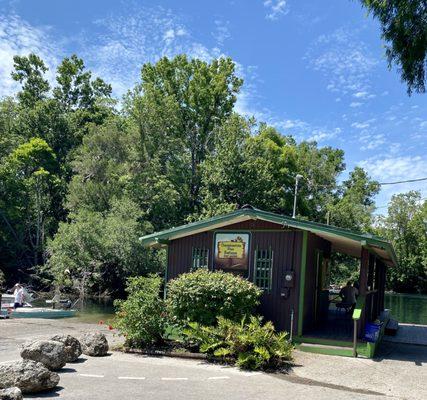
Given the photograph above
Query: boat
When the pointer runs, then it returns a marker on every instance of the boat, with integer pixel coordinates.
(28, 311)
(40, 312)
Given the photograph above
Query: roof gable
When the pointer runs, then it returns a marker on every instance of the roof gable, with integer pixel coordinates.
(342, 240)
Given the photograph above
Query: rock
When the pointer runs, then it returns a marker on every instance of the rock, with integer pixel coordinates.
(49, 352)
(27, 375)
(12, 393)
(73, 348)
(94, 344)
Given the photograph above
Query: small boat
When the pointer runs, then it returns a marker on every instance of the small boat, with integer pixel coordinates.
(28, 311)
(40, 312)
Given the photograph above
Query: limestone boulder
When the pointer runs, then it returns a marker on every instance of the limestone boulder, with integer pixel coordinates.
(50, 353)
(94, 344)
(12, 393)
(27, 375)
(73, 348)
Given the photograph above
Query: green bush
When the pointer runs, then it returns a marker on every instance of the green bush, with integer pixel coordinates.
(141, 317)
(248, 344)
(202, 296)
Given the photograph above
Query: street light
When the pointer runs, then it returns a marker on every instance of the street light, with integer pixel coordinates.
(297, 178)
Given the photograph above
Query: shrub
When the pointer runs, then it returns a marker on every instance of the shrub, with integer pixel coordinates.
(141, 317)
(248, 344)
(202, 296)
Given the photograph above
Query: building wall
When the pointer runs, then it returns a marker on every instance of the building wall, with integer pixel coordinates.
(286, 246)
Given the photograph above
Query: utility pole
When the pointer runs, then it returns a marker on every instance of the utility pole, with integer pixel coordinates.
(297, 178)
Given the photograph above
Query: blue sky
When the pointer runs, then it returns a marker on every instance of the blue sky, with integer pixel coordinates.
(314, 69)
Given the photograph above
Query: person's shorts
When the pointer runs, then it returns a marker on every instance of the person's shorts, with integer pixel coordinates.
(16, 305)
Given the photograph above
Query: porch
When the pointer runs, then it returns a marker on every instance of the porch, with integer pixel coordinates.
(340, 331)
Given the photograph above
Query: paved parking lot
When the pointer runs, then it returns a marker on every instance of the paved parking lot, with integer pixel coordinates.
(399, 373)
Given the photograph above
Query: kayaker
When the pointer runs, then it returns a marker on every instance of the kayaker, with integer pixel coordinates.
(19, 296)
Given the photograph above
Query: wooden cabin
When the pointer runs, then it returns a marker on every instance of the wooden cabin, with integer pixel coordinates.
(289, 259)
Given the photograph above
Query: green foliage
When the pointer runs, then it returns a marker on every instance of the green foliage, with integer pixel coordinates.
(29, 187)
(184, 100)
(96, 252)
(141, 317)
(29, 71)
(202, 296)
(404, 28)
(406, 227)
(174, 151)
(2, 280)
(354, 206)
(249, 344)
(75, 88)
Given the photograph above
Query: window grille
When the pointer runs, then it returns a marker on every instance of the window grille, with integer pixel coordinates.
(200, 258)
(263, 268)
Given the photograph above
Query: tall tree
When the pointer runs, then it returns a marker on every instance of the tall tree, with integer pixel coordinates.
(406, 227)
(354, 204)
(75, 88)
(404, 28)
(29, 191)
(196, 97)
(29, 71)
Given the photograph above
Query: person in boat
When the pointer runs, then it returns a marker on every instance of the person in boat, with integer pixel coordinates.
(19, 296)
(349, 295)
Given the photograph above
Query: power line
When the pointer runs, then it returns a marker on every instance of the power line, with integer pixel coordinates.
(407, 181)
(385, 206)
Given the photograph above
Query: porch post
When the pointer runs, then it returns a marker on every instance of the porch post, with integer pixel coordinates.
(363, 286)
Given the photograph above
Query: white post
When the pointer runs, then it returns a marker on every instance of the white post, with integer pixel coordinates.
(297, 178)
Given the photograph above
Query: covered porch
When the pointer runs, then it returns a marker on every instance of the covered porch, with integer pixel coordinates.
(334, 328)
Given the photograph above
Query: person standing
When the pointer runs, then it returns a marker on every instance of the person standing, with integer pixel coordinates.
(19, 296)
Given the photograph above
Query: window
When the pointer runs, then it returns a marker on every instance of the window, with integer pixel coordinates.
(200, 258)
(263, 268)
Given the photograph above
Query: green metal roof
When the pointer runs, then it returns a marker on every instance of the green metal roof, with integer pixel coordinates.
(342, 239)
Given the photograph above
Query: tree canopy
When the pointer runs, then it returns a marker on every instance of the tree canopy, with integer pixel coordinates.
(404, 28)
(81, 178)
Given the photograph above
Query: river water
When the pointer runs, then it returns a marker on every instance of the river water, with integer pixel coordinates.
(409, 308)
(406, 308)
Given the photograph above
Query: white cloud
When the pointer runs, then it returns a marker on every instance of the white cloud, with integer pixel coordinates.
(355, 104)
(345, 62)
(360, 125)
(393, 169)
(18, 37)
(222, 31)
(128, 40)
(276, 9)
(372, 142)
(320, 135)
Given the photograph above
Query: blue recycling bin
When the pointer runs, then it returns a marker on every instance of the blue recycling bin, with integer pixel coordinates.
(372, 332)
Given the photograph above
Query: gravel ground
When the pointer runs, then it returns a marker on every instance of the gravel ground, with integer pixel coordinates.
(400, 372)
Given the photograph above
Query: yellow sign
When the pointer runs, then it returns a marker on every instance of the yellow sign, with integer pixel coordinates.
(231, 249)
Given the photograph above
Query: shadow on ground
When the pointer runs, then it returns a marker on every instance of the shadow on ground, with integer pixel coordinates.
(45, 395)
(402, 352)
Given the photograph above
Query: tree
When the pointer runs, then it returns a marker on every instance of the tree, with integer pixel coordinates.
(320, 168)
(76, 89)
(404, 28)
(246, 168)
(29, 71)
(354, 204)
(96, 252)
(187, 100)
(29, 188)
(406, 227)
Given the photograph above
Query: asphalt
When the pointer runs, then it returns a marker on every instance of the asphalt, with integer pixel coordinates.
(397, 374)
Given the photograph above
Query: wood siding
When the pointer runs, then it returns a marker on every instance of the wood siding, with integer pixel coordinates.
(286, 246)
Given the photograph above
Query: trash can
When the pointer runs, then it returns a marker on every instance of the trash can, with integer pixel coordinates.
(372, 332)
